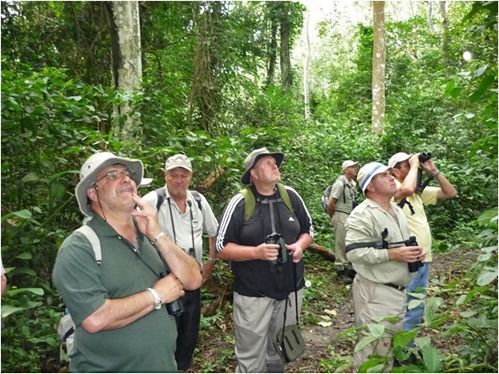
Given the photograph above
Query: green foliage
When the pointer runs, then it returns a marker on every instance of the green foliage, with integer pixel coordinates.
(57, 107)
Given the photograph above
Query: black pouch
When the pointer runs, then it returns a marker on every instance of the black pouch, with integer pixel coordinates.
(289, 343)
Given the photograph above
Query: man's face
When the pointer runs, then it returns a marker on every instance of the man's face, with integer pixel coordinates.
(401, 170)
(384, 184)
(351, 172)
(266, 170)
(115, 187)
(178, 181)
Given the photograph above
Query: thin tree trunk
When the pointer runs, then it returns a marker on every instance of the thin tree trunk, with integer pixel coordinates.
(286, 76)
(445, 32)
(429, 16)
(306, 97)
(378, 75)
(124, 20)
(272, 53)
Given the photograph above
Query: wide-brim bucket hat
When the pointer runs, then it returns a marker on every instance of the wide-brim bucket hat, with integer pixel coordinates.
(368, 172)
(252, 159)
(93, 165)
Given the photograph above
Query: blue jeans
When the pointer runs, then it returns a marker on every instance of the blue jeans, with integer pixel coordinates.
(188, 329)
(414, 317)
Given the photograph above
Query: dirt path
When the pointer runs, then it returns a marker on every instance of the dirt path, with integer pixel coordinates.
(330, 303)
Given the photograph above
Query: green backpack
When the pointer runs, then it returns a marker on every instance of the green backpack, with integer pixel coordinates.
(250, 202)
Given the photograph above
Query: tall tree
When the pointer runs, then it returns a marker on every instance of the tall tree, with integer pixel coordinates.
(445, 31)
(306, 81)
(285, 58)
(124, 23)
(379, 61)
(272, 47)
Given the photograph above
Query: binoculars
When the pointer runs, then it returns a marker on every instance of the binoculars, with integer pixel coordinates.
(276, 238)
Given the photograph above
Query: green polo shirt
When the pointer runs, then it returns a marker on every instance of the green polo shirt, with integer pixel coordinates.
(146, 345)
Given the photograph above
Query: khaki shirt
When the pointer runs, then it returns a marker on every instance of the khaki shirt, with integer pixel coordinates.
(342, 187)
(365, 225)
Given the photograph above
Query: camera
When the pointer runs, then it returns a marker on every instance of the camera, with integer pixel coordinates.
(355, 202)
(424, 156)
(282, 257)
(413, 266)
(175, 308)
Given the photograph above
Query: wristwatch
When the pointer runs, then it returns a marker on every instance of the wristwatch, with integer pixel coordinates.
(157, 299)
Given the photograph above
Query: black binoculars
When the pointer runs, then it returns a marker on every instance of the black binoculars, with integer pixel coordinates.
(175, 308)
(413, 266)
(276, 238)
(423, 157)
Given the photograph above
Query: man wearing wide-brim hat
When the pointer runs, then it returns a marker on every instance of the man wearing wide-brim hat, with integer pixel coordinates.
(377, 232)
(264, 281)
(118, 304)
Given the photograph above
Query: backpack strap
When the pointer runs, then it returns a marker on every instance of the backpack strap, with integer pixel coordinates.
(250, 201)
(161, 197)
(197, 196)
(92, 237)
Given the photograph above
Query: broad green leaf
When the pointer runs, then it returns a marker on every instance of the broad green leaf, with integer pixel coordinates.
(364, 342)
(25, 256)
(36, 291)
(486, 277)
(431, 359)
(376, 331)
(30, 177)
(402, 337)
(23, 214)
(7, 310)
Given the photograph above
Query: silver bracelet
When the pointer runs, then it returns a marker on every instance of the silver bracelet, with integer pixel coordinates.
(160, 235)
(212, 259)
(436, 174)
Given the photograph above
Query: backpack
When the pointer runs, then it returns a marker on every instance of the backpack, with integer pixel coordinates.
(327, 193)
(250, 202)
(66, 326)
(325, 197)
(162, 194)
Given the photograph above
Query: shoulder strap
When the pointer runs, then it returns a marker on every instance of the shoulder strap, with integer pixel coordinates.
(250, 202)
(161, 197)
(94, 241)
(285, 196)
(197, 196)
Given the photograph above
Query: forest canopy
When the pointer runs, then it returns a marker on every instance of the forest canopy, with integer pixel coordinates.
(215, 80)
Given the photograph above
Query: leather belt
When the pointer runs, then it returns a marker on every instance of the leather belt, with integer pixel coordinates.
(397, 287)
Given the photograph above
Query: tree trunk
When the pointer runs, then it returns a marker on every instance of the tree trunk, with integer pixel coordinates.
(203, 99)
(286, 76)
(124, 21)
(306, 95)
(378, 75)
(429, 16)
(272, 52)
(445, 32)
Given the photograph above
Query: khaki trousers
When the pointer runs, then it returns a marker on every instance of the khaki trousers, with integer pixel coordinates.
(373, 301)
(340, 233)
(257, 320)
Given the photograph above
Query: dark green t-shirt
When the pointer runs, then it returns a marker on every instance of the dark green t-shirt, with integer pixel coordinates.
(146, 345)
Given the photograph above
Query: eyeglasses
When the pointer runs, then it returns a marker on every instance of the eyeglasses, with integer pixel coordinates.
(112, 175)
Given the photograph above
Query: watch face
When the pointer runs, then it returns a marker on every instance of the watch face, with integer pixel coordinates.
(157, 305)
